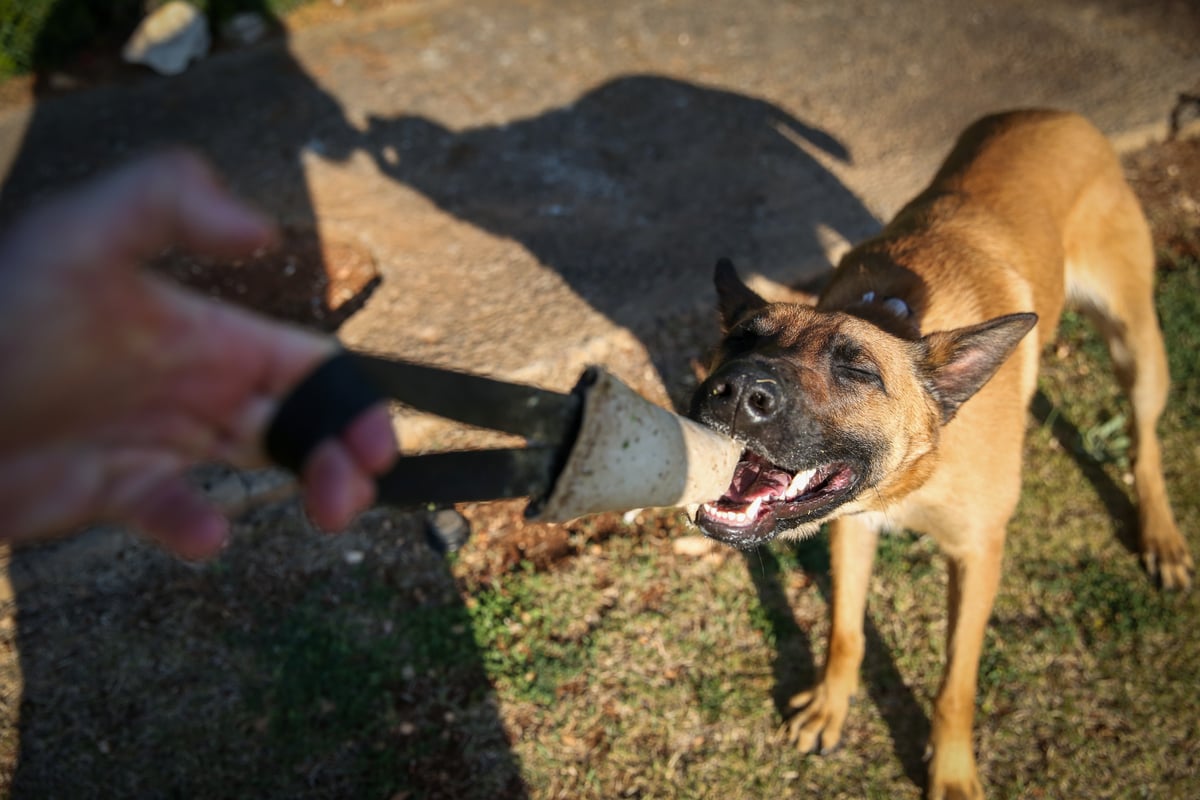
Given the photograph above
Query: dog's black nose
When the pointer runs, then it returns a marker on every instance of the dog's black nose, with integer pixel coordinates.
(741, 396)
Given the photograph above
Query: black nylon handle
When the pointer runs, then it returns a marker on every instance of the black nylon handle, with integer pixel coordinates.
(321, 406)
(438, 480)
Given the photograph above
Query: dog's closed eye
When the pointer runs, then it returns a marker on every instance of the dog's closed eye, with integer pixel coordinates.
(848, 361)
(861, 373)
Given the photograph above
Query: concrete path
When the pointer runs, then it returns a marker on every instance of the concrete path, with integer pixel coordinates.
(545, 184)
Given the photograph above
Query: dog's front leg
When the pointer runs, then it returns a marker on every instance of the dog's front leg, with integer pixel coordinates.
(821, 711)
(974, 576)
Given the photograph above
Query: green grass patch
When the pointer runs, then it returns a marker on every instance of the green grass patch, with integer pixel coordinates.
(532, 643)
(48, 34)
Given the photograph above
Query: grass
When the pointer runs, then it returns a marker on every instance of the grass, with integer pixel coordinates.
(615, 667)
(40, 35)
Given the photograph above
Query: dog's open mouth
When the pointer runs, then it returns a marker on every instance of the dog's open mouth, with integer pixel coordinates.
(762, 495)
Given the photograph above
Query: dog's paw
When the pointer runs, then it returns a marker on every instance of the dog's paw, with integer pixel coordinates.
(957, 791)
(816, 725)
(952, 774)
(1167, 560)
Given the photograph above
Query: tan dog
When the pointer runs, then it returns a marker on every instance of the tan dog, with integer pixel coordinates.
(900, 400)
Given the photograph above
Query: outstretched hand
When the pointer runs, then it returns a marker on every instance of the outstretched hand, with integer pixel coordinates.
(115, 380)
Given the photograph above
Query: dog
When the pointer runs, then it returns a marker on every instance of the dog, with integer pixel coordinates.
(899, 400)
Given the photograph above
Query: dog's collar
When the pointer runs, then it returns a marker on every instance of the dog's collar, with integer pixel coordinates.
(893, 304)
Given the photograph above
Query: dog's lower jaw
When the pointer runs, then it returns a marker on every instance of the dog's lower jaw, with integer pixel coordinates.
(782, 531)
(756, 537)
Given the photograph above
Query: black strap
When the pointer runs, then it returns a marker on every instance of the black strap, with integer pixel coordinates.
(438, 480)
(324, 403)
(538, 415)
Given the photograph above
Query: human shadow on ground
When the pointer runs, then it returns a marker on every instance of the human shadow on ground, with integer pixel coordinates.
(795, 667)
(144, 677)
(280, 670)
(633, 191)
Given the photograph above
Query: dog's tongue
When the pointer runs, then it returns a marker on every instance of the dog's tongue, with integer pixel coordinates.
(755, 478)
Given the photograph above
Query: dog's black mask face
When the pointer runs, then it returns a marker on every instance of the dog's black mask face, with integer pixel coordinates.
(787, 381)
(831, 408)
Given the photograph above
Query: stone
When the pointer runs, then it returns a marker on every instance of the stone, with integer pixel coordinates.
(446, 530)
(169, 38)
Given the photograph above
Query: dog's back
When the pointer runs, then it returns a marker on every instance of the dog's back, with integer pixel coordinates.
(1036, 196)
(1031, 211)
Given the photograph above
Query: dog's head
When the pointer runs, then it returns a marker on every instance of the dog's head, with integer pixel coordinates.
(837, 414)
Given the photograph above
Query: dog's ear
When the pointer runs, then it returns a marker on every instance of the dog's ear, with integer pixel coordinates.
(734, 298)
(956, 364)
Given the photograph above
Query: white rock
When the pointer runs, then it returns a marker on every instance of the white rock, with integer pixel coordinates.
(227, 490)
(169, 39)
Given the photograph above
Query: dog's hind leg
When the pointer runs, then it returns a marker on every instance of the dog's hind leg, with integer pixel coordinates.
(1110, 276)
(821, 711)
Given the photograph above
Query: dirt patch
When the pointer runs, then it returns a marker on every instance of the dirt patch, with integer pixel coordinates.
(503, 542)
(1166, 178)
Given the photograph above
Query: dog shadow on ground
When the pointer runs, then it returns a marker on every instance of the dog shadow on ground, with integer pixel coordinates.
(796, 669)
(634, 190)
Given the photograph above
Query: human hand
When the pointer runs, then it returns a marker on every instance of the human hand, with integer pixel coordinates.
(115, 380)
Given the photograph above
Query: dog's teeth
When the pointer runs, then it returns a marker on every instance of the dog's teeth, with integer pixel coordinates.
(799, 482)
(734, 517)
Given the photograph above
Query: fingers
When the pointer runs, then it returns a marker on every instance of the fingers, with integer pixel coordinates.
(336, 488)
(181, 520)
(338, 480)
(371, 440)
(339, 477)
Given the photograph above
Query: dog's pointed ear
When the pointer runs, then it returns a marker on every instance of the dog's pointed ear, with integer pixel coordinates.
(957, 363)
(734, 298)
